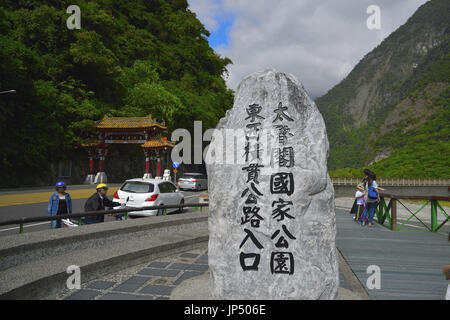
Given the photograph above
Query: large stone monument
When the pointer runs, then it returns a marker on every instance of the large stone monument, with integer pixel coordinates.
(272, 222)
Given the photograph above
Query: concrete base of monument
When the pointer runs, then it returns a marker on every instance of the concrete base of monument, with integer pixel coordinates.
(100, 178)
(90, 178)
(198, 288)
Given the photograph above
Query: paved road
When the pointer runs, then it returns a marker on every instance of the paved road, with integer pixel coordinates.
(33, 203)
(15, 198)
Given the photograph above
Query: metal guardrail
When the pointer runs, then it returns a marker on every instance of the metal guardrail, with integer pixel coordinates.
(389, 212)
(403, 182)
(80, 215)
(383, 212)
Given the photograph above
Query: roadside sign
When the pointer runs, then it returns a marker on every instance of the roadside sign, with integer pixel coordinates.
(175, 165)
(175, 170)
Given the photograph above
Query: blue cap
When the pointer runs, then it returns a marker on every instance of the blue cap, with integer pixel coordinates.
(60, 184)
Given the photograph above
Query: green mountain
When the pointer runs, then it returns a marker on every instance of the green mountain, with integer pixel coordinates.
(130, 58)
(391, 113)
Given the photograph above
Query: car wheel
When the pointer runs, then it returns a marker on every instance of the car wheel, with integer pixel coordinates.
(199, 188)
(181, 210)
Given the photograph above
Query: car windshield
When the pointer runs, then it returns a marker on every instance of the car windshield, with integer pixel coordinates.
(138, 187)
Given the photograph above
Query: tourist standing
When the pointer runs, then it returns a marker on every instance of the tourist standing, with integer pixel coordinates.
(364, 181)
(446, 271)
(98, 202)
(59, 203)
(372, 197)
(359, 202)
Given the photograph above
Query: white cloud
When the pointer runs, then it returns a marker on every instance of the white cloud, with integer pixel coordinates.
(207, 12)
(317, 41)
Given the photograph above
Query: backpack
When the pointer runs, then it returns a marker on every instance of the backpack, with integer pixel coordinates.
(373, 194)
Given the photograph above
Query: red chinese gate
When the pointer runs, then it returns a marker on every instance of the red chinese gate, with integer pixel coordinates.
(136, 130)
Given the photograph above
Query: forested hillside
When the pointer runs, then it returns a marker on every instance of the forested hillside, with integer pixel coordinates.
(130, 58)
(391, 112)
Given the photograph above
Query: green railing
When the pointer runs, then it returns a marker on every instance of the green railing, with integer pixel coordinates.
(79, 216)
(386, 214)
(401, 182)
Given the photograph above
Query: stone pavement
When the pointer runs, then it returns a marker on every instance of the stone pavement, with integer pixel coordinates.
(150, 281)
(158, 279)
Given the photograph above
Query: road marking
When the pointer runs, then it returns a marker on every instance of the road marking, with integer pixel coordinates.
(25, 226)
(17, 199)
(342, 208)
(40, 197)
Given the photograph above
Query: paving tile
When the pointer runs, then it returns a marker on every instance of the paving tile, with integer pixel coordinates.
(186, 275)
(159, 272)
(132, 284)
(157, 290)
(158, 264)
(202, 259)
(185, 266)
(127, 288)
(137, 280)
(185, 260)
(101, 285)
(189, 255)
(84, 294)
(125, 296)
(162, 281)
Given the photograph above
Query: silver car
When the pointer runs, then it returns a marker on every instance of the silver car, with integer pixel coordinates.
(140, 193)
(193, 181)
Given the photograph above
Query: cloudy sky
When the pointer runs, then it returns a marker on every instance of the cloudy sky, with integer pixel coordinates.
(319, 41)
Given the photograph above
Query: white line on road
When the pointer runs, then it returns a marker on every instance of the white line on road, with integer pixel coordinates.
(342, 208)
(25, 226)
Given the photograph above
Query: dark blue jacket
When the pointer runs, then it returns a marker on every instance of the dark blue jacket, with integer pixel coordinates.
(53, 204)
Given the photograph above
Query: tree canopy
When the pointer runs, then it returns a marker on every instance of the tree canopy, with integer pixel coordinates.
(130, 58)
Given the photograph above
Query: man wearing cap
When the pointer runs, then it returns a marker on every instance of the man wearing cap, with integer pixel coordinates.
(98, 202)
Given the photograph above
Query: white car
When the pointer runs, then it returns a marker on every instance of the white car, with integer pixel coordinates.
(138, 193)
(193, 181)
